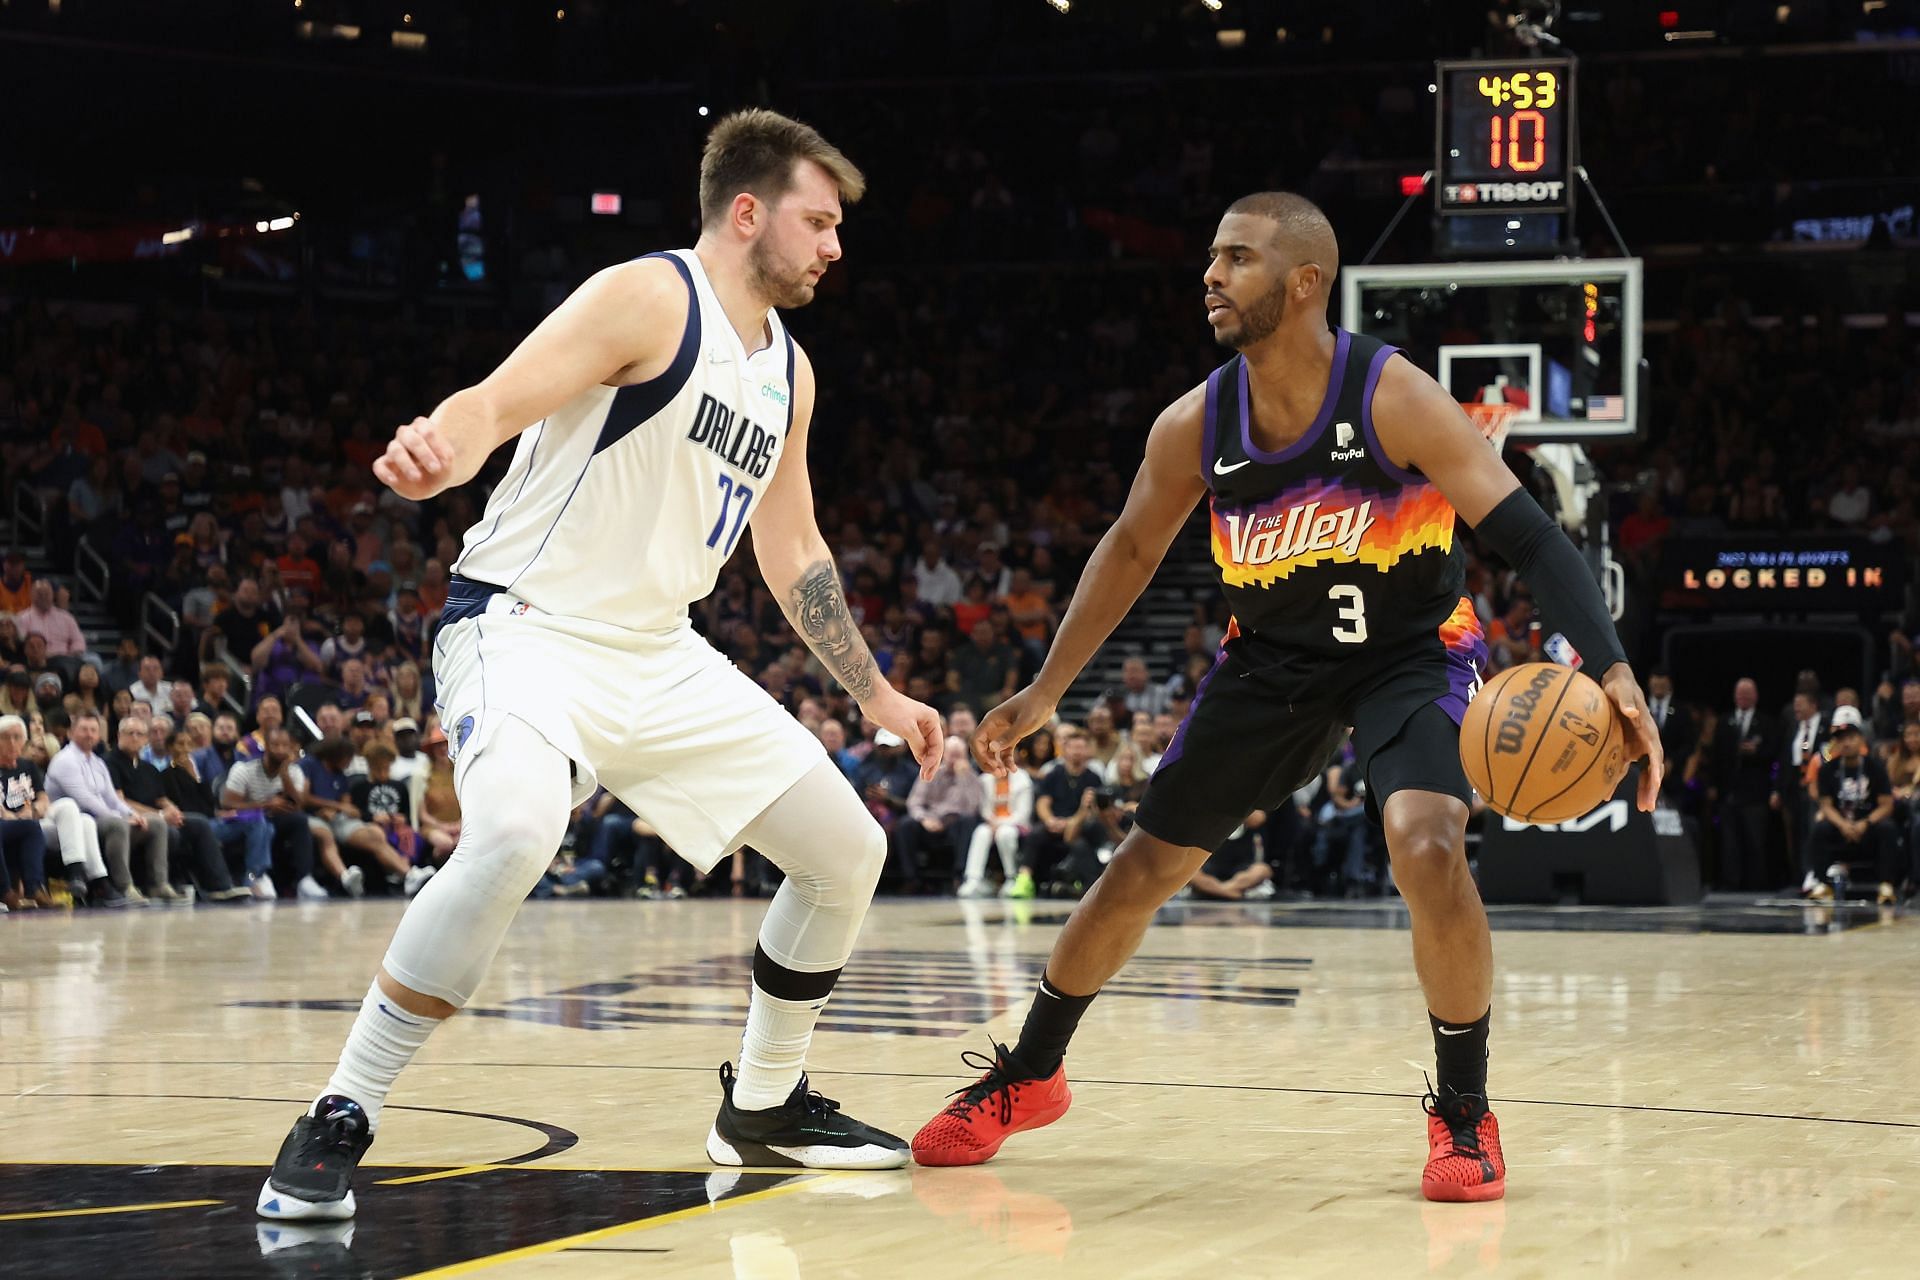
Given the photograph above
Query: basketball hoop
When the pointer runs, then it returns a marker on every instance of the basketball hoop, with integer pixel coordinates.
(1494, 420)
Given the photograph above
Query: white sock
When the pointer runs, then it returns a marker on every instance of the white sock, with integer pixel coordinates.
(383, 1041)
(773, 1052)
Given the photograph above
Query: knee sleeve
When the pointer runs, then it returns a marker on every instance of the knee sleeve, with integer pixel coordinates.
(832, 852)
(514, 802)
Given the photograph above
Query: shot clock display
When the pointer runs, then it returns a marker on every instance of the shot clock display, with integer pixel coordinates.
(1505, 137)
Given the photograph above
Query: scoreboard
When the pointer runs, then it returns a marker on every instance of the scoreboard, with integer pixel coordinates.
(1505, 137)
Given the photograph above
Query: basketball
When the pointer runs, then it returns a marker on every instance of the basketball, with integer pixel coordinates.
(1541, 743)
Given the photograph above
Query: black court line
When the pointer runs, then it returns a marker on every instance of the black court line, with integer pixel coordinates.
(558, 1138)
(935, 1075)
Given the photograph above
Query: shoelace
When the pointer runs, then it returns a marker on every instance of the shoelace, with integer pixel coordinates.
(817, 1104)
(325, 1138)
(996, 1083)
(1462, 1121)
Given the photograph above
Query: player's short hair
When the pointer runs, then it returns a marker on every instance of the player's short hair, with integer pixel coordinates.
(754, 150)
(1298, 221)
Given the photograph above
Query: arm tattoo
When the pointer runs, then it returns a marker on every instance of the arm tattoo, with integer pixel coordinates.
(817, 607)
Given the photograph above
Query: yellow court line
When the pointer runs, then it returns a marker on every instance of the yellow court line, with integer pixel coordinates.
(111, 1208)
(435, 1177)
(604, 1233)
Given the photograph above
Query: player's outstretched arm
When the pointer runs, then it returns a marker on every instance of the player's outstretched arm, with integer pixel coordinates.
(798, 568)
(1422, 429)
(624, 320)
(1164, 492)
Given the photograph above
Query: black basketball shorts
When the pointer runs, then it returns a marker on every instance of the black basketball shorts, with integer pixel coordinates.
(1249, 741)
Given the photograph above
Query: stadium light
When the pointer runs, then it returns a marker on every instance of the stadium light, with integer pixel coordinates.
(1061, 5)
(1214, 5)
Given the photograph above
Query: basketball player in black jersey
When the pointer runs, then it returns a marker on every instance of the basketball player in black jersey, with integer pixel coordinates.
(1334, 472)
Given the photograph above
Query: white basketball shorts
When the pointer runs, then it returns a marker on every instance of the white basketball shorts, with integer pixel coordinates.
(661, 719)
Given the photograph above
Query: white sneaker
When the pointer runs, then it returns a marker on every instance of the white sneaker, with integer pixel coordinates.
(354, 882)
(415, 878)
(1264, 889)
(262, 888)
(136, 897)
(972, 889)
(1808, 885)
(309, 890)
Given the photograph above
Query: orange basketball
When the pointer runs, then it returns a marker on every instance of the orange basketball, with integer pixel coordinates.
(1541, 743)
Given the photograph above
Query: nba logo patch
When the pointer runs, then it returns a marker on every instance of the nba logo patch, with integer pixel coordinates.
(461, 732)
(519, 607)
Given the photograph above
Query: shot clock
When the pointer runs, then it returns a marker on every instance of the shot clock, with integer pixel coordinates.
(1505, 137)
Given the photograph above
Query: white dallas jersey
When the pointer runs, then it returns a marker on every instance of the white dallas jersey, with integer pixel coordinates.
(623, 505)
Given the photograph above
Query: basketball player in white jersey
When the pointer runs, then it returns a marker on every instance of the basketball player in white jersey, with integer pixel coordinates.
(660, 410)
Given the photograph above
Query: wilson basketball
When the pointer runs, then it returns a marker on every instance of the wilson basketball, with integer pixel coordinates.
(1541, 743)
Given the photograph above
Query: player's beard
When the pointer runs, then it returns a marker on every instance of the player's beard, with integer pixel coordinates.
(780, 287)
(1261, 317)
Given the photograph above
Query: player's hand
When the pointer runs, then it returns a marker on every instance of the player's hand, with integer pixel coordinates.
(1003, 728)
(1643, 739)
(917, 724)
(418, 462)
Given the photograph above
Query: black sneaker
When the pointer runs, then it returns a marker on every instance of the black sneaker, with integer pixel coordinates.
(806, 1131)
(311, 1175)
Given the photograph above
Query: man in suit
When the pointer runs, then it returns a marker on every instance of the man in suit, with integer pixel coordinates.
(1800, 740)
(1677, 726)
(1743, 757)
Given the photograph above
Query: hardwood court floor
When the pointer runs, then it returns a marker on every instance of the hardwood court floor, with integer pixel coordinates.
(1717, 1093)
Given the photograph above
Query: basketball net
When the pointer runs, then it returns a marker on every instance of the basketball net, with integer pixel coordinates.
(1494, 421)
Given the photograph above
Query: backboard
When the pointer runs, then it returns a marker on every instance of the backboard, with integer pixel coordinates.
(1558, 339)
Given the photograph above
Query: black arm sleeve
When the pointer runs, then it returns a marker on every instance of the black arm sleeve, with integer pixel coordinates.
(1570, 600)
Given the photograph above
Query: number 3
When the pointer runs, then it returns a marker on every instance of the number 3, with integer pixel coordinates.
(1355, 612)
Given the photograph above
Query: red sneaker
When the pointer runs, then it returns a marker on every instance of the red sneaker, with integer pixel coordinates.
(1463, 1150)
(1003, 1102)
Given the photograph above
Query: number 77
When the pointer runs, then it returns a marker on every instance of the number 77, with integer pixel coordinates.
(728, 492)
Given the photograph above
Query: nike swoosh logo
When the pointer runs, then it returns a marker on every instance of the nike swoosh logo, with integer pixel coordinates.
(1221, 471)
(1461, 1032)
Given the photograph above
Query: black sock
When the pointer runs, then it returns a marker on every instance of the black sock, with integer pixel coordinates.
(1460, 1053)
(1050, 1024)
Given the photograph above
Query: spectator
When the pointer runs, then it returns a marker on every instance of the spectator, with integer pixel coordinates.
(221, 752)
(298, 570)
(159, 732)
(23, 843)
(37, 661)
(79, 775)
(190, 835)
(1006, 814)
(285, 657)
(12, 650)
(330, 799)
(267, 716)
(151, 688)
(124, 670)
(1852, 501)
(46, 618)
(833, 736)
(62, 825)
(272, 788)
(16, 694)
(1514, 637)
(1742, 779)
(438, 802)
(1889, 715)
(247, 621)
(1140, 693)
(383, 800)
(1030, 613)
(1238, 869)
(939, 584)
(89, 693)
(941, 813)
(1642, 532)
(976, 608)
(192, 792)
(1063, 802)
(349, 644)
(354, 689)
(1103, 740)
(16, 584)
(180, 704)
(886, 777)
(1795, 772)
(408, 693)
(1856, 812)
(983, 671)
(215, 679)
(1343, 832)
